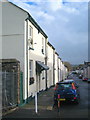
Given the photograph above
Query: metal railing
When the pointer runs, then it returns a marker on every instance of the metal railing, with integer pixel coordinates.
(9, 89)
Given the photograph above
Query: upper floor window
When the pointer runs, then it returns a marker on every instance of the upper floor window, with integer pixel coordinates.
(30, 31)
(31, 36)
(42, 46)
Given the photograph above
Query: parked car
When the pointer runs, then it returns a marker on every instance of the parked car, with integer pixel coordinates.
(88, 80)
(80, 76)
(70, 77)
(85, 79)
(68, 91)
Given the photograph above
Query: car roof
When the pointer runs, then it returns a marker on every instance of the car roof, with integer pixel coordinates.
(67, 81)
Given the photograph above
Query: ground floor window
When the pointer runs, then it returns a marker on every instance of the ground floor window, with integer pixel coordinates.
(43, 74)
(31, 78)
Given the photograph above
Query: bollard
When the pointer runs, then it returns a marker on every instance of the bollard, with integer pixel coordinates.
(58, 102)
(36, 102)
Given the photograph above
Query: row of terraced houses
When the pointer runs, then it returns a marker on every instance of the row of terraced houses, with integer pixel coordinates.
(24, 40)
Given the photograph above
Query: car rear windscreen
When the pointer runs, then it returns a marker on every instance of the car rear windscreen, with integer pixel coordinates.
(64, 86)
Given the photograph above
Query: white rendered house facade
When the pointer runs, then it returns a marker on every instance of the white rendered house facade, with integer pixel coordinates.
(51, 64)
(37, 56)
(18, 44)
(24, 40)
(56, 67)
(60, 76)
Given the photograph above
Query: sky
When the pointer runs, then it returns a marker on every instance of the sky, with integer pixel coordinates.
(66, 24)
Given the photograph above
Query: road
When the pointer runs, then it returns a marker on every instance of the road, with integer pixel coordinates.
(45, 103)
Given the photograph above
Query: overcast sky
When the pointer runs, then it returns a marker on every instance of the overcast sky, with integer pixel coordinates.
(66, 24)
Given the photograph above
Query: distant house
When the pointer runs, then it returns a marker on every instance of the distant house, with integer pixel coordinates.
(64, 71)
(86, 70)
(56, 67)
(51, 64)
(59, 69)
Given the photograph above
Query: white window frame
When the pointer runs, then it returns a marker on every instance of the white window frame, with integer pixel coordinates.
(31, 68)
(43, 74)
(30, 71)
(43, 45)
(31, 35)
(30, 31)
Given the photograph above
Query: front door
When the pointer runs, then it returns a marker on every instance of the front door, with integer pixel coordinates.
(38, 82)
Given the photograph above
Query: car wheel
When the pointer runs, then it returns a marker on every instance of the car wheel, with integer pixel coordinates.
(77, 101)
(55, 103)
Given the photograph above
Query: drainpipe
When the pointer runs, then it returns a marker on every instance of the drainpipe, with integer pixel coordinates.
(27, 61)
(27, 57)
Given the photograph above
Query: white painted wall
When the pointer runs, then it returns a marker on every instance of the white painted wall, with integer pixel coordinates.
(64, 71)
(14, 43)
(36, 55)
(56, 68)
(59, 69)
(50, 64)
(13, 26)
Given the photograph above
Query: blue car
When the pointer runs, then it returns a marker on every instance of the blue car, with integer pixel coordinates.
(67, 91)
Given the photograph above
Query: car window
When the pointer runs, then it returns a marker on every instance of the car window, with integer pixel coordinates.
(64, 86)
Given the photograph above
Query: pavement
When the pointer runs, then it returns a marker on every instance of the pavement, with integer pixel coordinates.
(44, 108)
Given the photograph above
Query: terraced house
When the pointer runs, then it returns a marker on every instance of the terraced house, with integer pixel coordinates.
(51, 64)
(25, 41)
(86, 70)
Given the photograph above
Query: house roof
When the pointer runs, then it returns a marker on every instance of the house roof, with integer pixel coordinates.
(56, 53)
(36, 25)
(30, 18)
(51, 45)
(59, 58)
